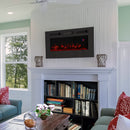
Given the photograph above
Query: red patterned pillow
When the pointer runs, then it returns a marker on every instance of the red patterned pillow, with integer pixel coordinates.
(4, 95)
(123, 105)
(113, 123)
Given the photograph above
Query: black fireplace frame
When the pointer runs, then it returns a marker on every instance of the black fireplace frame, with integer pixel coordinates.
(89, 32)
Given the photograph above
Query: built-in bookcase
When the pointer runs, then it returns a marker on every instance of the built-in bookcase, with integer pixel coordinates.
(77, 98)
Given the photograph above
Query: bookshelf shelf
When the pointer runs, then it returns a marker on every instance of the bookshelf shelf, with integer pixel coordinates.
(76, 98)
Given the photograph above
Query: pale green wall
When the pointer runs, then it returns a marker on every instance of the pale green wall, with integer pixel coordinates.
(124, 23)
(15, 24)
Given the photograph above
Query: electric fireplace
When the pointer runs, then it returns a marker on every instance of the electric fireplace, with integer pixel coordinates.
(70, 43)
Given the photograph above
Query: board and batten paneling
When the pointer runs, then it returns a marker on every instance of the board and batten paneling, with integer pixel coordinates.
(101, 14)
(123, 68)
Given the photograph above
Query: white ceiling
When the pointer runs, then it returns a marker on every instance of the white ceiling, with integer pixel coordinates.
(123, 2)
(22, 9)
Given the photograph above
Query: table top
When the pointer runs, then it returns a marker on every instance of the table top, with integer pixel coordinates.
(17, 123)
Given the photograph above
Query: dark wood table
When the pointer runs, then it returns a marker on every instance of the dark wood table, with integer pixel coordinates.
(55, 122)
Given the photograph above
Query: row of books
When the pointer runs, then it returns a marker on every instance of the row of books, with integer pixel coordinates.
(85, 92)
(64, 90)
(57, 102)
(59, 106)
(86, 108)
(50, 90)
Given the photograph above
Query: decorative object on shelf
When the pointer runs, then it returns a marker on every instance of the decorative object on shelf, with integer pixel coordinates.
(101, 60)
(29, 121)
(38, 61)
(43, 110)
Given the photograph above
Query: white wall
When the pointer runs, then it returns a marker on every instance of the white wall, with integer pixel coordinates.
(123, 68)
(101, 14)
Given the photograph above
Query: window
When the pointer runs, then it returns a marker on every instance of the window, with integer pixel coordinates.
(15, 60)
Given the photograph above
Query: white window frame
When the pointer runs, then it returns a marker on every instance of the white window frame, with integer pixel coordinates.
(13, 32)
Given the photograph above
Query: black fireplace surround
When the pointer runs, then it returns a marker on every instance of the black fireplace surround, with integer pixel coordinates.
(70, 43)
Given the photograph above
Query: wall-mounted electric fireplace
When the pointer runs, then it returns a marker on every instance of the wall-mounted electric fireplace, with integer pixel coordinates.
(70, 43)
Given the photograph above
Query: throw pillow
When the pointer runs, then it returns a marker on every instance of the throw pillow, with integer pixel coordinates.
(113, 123)
(123, 105)
(123, 123)
(4, 95)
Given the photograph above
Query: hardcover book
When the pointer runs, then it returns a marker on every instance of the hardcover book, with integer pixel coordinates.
(87, 108)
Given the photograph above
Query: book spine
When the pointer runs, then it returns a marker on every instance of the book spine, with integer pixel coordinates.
(94, 110)
(73, 90)
(48, 89)
(51, 89)
(67, 90)
(76, 107)
(88, 94)
(79, 91)
(87, 108)
(84, 92)
(53, 102)
(79, 107)
(90, 97)
(63, 90)
(70, 94)
(83, 108)
(94, 94)
(59, 87)
(54, 90)
(53, 99)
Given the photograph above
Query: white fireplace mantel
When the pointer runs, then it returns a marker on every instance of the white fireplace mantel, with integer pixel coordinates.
(90, 70)
(95, 74)
(100, 71)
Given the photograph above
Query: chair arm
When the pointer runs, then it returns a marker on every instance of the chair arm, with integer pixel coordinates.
(107, 112)
(18, 104)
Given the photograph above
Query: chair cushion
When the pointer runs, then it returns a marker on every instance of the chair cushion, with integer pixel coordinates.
(8, 111)
(104, 120)
(100, 127)
(0, 115)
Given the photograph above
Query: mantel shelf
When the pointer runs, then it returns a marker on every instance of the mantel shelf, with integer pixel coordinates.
(90, 70)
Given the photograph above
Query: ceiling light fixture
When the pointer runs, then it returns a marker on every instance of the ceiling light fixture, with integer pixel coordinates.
(10, 12)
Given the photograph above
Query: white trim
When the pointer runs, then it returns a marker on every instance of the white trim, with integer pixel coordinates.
(12, 32)
(16, 62)
(90, 70)
(17, 89)
(92, 74)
